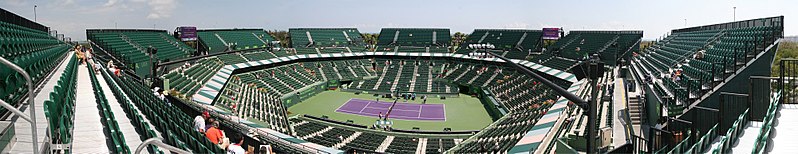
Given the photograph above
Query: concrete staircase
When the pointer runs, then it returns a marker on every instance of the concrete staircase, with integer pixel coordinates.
(385, 144)
(347, 140)
(635, 111)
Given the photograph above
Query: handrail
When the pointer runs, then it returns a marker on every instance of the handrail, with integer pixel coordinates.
(157, 142)
(32, 118)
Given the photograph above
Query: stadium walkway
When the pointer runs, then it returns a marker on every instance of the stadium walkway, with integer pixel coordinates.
(785, 130)
(88, 134)
(22, 127)
(619, 134)
(132, 138)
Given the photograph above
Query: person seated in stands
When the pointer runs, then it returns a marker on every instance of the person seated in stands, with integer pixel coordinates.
(700, 54)
(79, 54)
(677, 74)
(215, 135)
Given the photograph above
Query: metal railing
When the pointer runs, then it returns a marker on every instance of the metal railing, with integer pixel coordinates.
(32, 118)
(157, 142)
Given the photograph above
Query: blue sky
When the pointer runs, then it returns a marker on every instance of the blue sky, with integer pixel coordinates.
(655, 18)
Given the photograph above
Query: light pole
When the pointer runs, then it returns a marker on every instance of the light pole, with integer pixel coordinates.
(34, 13)
(685, 22)
(734, 13)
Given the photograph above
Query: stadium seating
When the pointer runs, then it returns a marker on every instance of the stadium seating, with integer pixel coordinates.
(285, 79)
(130, 46)
(259, 55)
(415, 76)
(59, 108)
(136, 118)
(503, 134)
(110, 123)
(435, 146)
(229, 59)
(403, 145)
(419, 37)
(510, 43)
(725, 50)
(368, 141)
(243, 38)
(189, 80)
(325, 37)
(253, 103)
(519, 92)
(35, 51)
(174, 125)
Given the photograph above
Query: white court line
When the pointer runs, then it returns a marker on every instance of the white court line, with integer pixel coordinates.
(393, 109)
(364, 107)
(342, 105)
(408, 118)
(419, 110)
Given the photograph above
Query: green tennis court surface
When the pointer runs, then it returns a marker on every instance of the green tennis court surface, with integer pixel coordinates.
(462, 113)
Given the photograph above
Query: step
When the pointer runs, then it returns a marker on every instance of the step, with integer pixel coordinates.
(347, 140)
(88, 133)
(132, 138)
(385, 144)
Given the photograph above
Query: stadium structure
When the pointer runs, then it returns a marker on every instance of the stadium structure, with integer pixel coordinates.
(704, 89)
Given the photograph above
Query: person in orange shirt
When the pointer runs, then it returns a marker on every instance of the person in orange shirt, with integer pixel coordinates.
(214, 134)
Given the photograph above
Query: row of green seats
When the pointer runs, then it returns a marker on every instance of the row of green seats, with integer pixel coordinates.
(135, 117)
(174, 125)
(60, 108)
(111, 124)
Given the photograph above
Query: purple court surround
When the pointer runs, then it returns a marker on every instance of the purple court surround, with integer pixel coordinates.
(405, 111)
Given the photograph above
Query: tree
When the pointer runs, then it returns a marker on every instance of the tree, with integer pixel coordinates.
(283, 36)
(458, 38)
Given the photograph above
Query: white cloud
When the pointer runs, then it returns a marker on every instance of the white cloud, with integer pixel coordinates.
(111, 3)
(161, 8)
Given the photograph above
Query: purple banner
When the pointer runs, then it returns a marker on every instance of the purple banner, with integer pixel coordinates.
(551, 33)
(188, 33)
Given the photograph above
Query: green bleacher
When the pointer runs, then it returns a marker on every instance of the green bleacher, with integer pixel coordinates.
(188, 81)
(174, 125)
(725, 50)
(325, 37)
(130, 46)
(243, 38)
(33, 50)
(517, 43)
(609, 45)
(247, 100)
(60, 107)
(419, 37)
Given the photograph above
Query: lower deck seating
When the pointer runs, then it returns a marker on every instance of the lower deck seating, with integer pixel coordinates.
(247, 101)
(60, 108)
(403, 145)
(174, 125)
(502, 135)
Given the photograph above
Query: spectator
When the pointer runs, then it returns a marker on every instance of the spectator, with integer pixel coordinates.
(209, 123)
(199, 121)
(79, 55)
(700, 54)
(214, 134)
(88, 54)
(235, 144)
(97, 67)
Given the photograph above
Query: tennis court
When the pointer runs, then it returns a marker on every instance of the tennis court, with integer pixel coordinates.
(406, 111)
